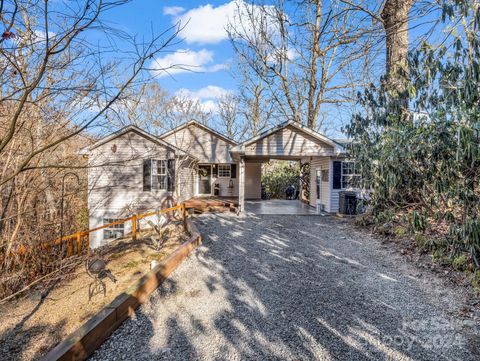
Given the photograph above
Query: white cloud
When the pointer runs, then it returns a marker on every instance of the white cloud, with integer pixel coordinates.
(208, 24)
(207, 96)
(208, 92)
(185, 60)
(173, 10)
(209, 106)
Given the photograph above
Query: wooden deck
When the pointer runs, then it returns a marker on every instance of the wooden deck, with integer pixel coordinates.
(212, 204)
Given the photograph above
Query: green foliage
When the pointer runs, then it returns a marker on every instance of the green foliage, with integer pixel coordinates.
(418, 221)
(475, 280)
(460, 262)
(278, 175)
(425, 160)
(400, 231)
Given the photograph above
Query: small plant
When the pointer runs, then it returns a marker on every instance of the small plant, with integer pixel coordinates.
(460, 262)
(475, 281)
(439, 257)
(363, 220)
(162, 233)
(418, 222)
(400, 231)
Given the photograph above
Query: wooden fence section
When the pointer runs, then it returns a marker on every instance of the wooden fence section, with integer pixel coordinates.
(76, 240)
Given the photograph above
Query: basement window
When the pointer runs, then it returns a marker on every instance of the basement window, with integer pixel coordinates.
(224, 171)
(114, 231)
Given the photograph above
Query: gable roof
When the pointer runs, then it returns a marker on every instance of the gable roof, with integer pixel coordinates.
(200, 125)
(135, 129)
(339, 148)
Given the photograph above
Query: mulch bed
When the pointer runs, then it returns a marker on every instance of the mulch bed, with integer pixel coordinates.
(35, 322)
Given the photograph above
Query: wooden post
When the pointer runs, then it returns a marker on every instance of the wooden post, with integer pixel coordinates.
(70, 247)
(184, 216)
(79, 242)
(241, 185)
(134, 227)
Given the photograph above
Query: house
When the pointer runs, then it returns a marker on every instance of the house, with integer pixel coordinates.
(131, 171)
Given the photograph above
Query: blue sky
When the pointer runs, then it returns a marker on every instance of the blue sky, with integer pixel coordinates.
(207, 52)
(204, 46)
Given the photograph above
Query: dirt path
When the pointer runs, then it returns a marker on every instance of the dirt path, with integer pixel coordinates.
(307, 287)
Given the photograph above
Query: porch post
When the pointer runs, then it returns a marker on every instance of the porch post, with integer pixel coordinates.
(241, 185)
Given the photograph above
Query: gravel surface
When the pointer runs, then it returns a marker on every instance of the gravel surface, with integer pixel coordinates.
(295, 288)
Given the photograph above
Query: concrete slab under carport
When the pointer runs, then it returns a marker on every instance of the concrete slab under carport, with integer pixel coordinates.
(279, 207)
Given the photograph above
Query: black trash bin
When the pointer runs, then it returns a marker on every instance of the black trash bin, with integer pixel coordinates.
(348, 203)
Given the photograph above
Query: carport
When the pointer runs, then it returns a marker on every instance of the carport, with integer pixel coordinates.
(287, 141)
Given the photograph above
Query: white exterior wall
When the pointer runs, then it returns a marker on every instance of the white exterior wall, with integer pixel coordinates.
(202, 144)
(326, 187)
(253, 180)
(288, 141)
(115, 180)
(223, 182)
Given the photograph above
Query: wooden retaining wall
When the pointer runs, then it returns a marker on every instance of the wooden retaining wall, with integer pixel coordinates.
(86, 339)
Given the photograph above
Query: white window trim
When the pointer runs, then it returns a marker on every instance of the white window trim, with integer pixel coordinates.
(115, 228)
(154, 173)
(229, 170)
(348, 175)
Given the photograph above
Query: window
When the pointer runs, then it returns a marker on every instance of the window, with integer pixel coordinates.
(350, 175)
(224, 171)
(158, 174)
(115, 231)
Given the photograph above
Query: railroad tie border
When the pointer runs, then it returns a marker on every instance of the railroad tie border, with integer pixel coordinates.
(86, 339)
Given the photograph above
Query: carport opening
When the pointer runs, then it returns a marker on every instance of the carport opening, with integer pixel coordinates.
(285, 179)
(284, 188)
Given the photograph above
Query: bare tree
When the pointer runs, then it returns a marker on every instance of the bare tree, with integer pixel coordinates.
(228, 112)
(152, 108)
(59, 78)
(248, 39)
(305, 51)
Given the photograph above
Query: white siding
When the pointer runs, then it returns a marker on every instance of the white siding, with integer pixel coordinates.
(288, 141)
(185, 187)
(202, 144)
(115, 179)
(323, 163)
(253, 180)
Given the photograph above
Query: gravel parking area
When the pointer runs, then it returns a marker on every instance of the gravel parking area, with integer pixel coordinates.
(296, 288)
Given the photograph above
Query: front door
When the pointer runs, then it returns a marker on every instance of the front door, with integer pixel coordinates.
(205, 179)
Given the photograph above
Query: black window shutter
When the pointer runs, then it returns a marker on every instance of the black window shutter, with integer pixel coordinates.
(337, 175)
(215, 171)
(147, 174)
(171, 175)
(234, 171)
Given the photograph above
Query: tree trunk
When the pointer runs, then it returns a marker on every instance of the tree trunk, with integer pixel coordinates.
(395, 22)
(311, 116)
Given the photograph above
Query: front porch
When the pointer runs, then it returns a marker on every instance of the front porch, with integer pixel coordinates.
(205, 204)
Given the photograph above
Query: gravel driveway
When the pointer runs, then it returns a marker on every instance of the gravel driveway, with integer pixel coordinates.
(295, 288)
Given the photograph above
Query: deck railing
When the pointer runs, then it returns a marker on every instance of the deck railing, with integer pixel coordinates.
(76, 240)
